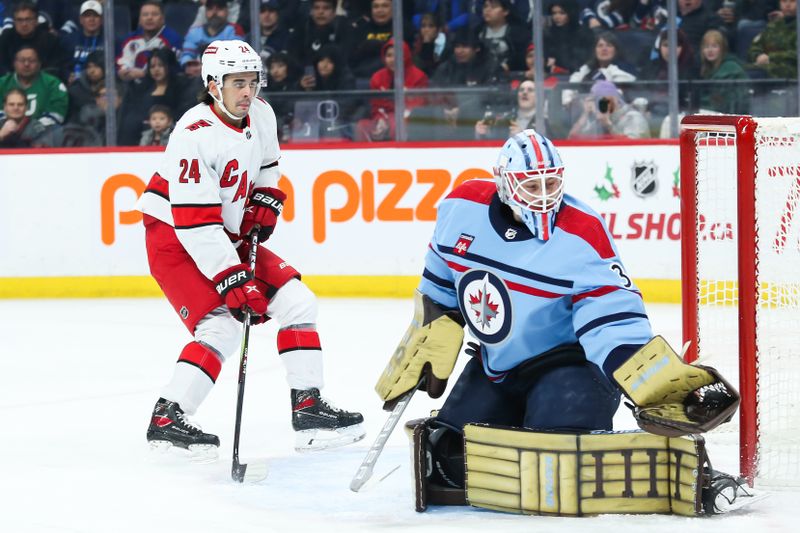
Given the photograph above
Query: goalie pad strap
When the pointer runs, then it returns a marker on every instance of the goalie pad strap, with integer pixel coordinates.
(526, 472)
(425, 491)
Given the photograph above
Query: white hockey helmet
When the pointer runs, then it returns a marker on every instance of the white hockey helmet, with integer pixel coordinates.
(529, 178)
(228, 57)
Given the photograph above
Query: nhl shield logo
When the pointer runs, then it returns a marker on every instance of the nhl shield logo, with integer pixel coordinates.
(644, 178)
(484, 301)
(184, 312)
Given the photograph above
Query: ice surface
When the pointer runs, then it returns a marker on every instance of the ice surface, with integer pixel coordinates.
(79, 380)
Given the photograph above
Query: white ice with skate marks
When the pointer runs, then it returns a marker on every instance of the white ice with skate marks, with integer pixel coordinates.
(79, 381)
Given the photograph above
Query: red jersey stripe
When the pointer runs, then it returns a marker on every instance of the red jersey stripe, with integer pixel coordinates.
(195, 215)
(602, 291)
(587, 227)
(533, 291)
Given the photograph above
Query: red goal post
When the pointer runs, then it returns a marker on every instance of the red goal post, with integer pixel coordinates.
(740, 190)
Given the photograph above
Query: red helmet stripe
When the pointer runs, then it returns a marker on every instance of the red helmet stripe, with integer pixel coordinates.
(537, 150)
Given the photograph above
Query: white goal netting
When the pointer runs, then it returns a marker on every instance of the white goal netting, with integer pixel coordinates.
(777, 268)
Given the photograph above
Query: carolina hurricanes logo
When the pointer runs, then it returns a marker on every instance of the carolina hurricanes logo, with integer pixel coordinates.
(485, 302)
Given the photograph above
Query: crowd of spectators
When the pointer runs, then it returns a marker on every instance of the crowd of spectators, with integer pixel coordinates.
(471, 62)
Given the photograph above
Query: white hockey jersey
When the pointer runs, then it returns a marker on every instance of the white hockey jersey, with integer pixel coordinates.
(206, 176)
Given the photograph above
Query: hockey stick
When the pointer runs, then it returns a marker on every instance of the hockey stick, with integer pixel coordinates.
(240, 471)
(364, 471)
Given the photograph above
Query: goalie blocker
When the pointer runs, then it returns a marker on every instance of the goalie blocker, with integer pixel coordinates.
(521, 471)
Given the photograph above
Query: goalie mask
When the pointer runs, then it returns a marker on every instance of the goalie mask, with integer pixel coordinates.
(529, 179)
(221, 58)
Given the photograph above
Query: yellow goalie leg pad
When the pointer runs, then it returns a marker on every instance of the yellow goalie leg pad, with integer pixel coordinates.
(520, 471)
(429, 347)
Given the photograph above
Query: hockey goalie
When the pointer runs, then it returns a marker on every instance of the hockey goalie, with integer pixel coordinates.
(562, 335)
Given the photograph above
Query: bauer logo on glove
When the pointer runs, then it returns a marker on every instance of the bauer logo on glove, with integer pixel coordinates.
(672, 397)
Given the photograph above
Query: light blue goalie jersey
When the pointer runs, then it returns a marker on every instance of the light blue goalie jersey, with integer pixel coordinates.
(521, 296)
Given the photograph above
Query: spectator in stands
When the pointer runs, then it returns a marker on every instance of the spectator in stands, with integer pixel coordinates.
(430, 44)
(608, 14)
(502, 38)
(657, 68)
(26, 31)
(274, 37)
(380, 126)
(159, 118)
(283, 75)
(322, 27)
(649, 14)
(235, 13)
(87, 95)
(198, 37)
(605, 63)
(566, 42)
(774, 51)
(752, 19)
(17, 130)
(83, 40)
(696, 18)
(47, 95)
(152, 34)
(368, 37)
(606, 114)
(330, 73)
(53, 14)
(717, 64)
(161, 85)
(468, 67)
(509, 122)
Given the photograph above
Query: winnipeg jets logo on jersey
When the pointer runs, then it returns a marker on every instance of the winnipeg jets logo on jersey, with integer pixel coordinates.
(485, 303)
(463, 243)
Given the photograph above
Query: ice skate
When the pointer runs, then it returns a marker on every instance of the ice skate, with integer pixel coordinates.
(170, 427)
(319, 425)
(726, 493)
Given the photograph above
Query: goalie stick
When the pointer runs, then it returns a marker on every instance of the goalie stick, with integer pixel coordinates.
(257, 471)
(364, 471)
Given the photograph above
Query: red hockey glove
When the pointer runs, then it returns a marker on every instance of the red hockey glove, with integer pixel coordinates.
(237, 288)
(263, 208)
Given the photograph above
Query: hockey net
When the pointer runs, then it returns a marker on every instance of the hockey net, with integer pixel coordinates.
(740, 193)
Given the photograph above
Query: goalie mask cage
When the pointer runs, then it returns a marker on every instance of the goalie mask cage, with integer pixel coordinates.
(740, 243)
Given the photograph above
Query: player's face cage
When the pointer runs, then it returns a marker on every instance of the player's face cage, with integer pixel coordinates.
(539, 190)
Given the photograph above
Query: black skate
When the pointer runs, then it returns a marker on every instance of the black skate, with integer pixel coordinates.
(170, 427)
(725, 493)
(319, 425)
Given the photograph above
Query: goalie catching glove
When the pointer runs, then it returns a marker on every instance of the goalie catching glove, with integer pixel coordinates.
(428, 352)
(673, 398)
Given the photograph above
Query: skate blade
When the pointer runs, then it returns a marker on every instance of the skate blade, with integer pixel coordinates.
(313, 440)
(197, 453)
(744, 499)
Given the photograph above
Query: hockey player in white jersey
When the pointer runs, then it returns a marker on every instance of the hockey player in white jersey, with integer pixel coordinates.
(217, 182)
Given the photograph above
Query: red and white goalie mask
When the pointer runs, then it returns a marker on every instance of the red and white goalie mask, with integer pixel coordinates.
(529, 178)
